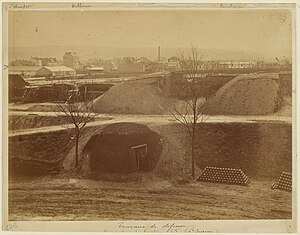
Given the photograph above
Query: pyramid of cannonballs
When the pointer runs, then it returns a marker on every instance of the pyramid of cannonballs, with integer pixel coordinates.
(284, 182)
(224, 175)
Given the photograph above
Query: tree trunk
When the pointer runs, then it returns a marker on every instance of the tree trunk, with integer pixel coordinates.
(193, 136)
(76, 148)
(193, 154)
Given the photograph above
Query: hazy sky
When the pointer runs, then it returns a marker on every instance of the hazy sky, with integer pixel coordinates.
(259, 31)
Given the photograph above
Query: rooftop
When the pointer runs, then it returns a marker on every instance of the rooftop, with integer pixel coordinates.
(95, 69)
(70, 53)
(59, 68)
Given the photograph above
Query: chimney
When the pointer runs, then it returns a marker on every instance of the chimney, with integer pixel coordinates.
(158, 58)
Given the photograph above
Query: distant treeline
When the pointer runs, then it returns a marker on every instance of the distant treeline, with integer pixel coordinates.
(22, 62)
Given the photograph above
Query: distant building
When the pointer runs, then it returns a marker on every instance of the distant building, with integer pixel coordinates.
(130, 65)
(151, 66)
(209, 65)
(163, 60)
(173, 59)
(45, 61)
(237, 64)
(16, 85)
(24, 71)
(71, 59)
(143, 60)
(37, 61)
(173, 63)
(55, 71)
(107, 66)
(94, 71)
(141, 65)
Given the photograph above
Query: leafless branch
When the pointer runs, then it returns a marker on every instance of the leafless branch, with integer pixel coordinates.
(79, 110)
(192, 83)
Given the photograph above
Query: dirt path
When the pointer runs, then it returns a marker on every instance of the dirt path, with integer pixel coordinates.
(143, 119)
(81, 199)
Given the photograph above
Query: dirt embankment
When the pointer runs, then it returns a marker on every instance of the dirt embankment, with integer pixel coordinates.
(132, 97)
(174, 161)
(261, 150)
(253, 94)
(286, 107)
(38, 153)
(286, 81)
(16, 122)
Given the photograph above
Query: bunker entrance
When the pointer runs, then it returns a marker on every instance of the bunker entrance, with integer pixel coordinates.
(142, 161)
(124, 148)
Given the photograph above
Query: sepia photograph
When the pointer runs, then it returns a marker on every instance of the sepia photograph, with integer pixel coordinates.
(148, 117)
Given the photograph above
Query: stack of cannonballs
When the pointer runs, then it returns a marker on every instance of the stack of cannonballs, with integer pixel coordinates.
(224, 175)
(284, 182)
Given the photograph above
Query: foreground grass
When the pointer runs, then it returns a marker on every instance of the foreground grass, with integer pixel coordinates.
(59, 198)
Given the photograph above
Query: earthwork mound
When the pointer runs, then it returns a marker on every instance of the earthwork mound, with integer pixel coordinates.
(254, 94)
(131, 97)
(121, 148)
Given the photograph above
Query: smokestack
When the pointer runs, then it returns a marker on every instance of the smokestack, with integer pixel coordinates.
(158, 57)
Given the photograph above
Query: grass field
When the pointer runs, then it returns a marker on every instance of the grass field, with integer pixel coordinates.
(60, 198)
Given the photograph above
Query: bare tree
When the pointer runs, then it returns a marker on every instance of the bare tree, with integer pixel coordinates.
(190, 113)
(78, 109)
